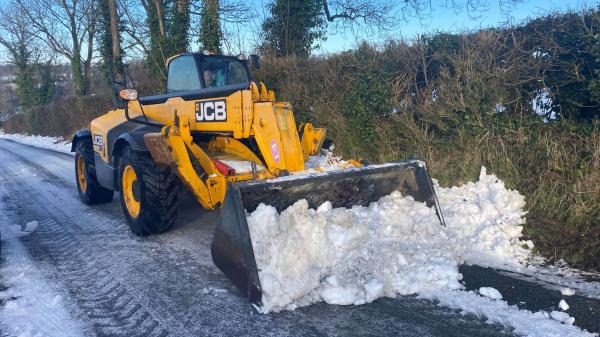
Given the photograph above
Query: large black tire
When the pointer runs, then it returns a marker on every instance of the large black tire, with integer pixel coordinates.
(90, 191)
(156, 189)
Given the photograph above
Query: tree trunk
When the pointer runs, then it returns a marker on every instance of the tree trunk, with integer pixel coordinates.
(116, 41)
(79, 81)
(180, 26)
(160, 18)
(210, 27)
(87, 65)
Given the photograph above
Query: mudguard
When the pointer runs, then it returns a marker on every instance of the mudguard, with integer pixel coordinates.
(134, 138)
(81, 134)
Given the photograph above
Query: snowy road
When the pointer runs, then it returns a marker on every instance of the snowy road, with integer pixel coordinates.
(116, 284)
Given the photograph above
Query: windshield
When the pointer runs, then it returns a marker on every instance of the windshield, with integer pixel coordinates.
(217, 71)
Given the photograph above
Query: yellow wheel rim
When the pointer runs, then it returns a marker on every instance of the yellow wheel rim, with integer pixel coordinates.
(81, 174)
(128, 181)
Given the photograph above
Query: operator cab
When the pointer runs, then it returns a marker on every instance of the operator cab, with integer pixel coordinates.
(197, 71)
(197, 76)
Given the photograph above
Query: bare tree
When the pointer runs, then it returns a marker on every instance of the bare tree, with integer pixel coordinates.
(387, 14)
(374, 14)
(33, 79)
(136, 32)
(67, 27)
(16, 36)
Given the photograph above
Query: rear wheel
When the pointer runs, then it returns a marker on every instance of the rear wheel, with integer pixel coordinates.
(148, 193)
(90, 191)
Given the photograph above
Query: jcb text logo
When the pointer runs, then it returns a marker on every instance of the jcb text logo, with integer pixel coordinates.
(211, 111)
(98, 142)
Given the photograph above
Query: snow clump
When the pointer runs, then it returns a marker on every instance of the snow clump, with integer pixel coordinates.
(563, 305)
(492, 293)
(31, 226)
(15, 231)
(326, 161)
(395, 246)
(562, 317)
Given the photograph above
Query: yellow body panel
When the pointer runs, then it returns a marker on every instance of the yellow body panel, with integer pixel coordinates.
(312, 140)
(166, 113)
(247, 113)
(250, 113)
(268, 137)
(294, 159)
(101, 126)
(233, 147)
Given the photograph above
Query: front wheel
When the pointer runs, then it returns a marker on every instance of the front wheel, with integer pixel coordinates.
(148, 193)
(90, 191)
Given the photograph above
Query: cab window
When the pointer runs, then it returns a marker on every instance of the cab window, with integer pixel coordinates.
(217, 72)
(237, 73)
(183, 75)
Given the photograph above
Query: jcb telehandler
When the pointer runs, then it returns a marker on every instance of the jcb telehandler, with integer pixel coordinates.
(228, 140)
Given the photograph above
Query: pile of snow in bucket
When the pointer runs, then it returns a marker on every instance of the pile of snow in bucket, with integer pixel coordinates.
(393, 246)
(325, 161)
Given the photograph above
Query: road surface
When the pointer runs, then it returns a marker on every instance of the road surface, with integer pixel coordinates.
(118, 284)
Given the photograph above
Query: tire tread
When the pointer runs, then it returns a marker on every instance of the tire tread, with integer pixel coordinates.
(160, 189)
(95, 194)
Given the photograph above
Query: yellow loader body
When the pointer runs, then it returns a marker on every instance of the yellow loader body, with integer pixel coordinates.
(248, 114)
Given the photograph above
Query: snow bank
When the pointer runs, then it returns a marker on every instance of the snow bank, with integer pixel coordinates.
(394, 246)
(49, 143)
(524, 322)
(559, 276)
(488, 218)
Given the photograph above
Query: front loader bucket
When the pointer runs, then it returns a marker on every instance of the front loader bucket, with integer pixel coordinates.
(231, 247)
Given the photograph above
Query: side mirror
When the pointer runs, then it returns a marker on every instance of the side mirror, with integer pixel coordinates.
(255, 61)
(128, 94)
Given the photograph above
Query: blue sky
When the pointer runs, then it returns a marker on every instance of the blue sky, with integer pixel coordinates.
(444, 19)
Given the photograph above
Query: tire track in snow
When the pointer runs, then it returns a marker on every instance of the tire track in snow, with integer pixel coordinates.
(117, 231)
(108, 305)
